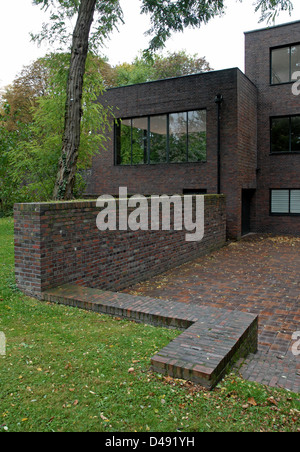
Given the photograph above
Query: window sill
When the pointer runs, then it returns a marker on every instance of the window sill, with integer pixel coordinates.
(284, 214)
(284, 83)
(145, 165)
(285, 153)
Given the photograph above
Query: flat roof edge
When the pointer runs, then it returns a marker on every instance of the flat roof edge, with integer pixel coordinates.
(271, 27)
(237, 69)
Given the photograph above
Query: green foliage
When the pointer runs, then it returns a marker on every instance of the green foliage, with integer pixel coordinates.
(108, 14)
(174, 16)
(9, 187)
(157, 67)
(5, 188)
(270, 9)
(130, 74)
(30, 154)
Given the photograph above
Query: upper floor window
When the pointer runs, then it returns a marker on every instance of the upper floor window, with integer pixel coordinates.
(285, 134)
(170, 138)
(285, 61)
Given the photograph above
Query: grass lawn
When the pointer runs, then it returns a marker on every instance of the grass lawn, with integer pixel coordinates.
(67, 370)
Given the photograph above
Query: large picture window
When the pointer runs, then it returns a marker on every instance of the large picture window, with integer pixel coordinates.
(285, 134)
(170, 138)
(158, 138)
(285, 202)
(285, 61)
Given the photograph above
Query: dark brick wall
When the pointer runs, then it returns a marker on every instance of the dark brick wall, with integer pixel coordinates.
(238, 139)
(59, 243)
(274, 171)
(247, 141)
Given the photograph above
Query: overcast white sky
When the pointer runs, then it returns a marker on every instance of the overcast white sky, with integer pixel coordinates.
(221, 41)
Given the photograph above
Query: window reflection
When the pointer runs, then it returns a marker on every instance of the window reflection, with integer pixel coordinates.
(295, 60)
(173, 138)
(280, 133)
(285, 61)
(158, 139)
(197, 136)
(281, 65)
(178, 137)
(285, 134)
(139, 140)
(124, 137)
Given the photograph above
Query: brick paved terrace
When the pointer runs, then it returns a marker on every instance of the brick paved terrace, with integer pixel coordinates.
(258, 275)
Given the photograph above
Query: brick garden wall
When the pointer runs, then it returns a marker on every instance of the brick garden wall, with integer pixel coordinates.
(59, 243)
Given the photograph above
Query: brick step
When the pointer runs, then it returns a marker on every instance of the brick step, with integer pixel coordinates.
(212, 340)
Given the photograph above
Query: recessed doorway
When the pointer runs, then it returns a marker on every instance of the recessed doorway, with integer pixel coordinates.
(247, 199)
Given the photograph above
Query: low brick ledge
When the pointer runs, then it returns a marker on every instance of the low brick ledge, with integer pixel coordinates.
(212, 340)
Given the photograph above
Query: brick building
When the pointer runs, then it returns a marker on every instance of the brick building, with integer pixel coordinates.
(215, 132)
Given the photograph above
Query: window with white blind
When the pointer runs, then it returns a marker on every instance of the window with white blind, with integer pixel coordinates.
(285, 202)
(295, 201)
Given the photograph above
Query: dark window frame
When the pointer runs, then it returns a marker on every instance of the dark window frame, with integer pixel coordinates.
(289, 46)
(283, 214)
(289, 152)
(131, 118)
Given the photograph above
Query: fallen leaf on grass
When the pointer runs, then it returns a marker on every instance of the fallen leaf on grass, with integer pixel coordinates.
(251, 401)
(272, 401)
(104, 418)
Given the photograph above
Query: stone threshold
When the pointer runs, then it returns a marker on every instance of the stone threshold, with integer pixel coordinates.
(211, 342)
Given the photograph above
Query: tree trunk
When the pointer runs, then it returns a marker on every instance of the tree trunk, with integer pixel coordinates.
(64, 185)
